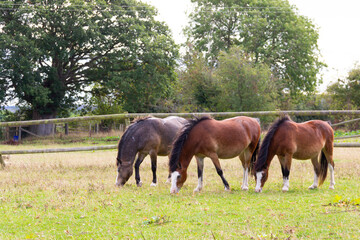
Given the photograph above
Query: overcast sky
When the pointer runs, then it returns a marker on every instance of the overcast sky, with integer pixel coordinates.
(338, 23)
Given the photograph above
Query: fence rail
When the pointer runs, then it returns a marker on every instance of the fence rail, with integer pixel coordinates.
(161, 115)
(133, 115)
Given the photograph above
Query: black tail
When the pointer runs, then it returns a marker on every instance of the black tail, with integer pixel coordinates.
(260, 164)
(178, 144)
(254, 156)
(323, 168)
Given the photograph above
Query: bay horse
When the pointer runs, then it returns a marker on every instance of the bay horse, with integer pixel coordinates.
(287, 140)
(207, 137)
(145, 136)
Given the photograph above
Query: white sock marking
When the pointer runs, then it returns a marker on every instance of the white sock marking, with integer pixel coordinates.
(245, 185)
(316, 182)
(199, 186)
(174, 176)
(286, 184)
(259, 176)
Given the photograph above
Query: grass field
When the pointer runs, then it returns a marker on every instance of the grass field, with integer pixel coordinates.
(72, 196)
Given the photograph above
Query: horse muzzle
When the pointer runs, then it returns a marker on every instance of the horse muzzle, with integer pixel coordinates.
(174, 190)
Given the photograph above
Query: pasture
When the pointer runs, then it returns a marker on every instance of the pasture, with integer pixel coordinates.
(73, 196)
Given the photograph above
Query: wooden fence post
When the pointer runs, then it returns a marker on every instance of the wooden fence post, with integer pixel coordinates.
(66, 129)
(20, 133)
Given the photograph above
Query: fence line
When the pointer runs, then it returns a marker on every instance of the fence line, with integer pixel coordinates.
(344, 122)
(133, 115)
(108, 147)
(161, 115)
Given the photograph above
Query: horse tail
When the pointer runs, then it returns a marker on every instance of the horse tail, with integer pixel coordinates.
(261, 163)
(254, 155)
(179, 142)
(323, 168)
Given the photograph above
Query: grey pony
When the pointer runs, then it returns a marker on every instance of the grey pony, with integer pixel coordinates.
(145, 136)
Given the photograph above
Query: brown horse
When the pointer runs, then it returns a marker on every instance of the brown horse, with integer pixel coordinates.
(149, 135)
(207, 137)
(287, 140)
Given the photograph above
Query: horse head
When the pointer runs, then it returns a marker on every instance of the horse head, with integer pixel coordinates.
(125, 170)
(178, 178)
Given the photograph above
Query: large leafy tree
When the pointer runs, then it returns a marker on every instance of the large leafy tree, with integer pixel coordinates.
(236, 84)
(245, 85)
(53, 51)
(269, 29)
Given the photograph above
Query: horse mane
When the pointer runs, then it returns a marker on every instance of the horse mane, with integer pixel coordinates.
(129, 130)
(180, 141)
(260, 164)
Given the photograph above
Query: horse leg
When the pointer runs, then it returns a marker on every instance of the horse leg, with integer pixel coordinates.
(139, 160)
(285, 162)
(168, 180)
(316, 165)
(153, 156)
(215, 160)
(245, 161)
(200, 169)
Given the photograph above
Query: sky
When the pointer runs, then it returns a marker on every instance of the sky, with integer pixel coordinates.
(338, 23)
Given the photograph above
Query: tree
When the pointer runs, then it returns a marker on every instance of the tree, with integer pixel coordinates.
(345, 93)
(237, 83)
(245, 84)
(53, 51)
(198, 90)
(269, 29)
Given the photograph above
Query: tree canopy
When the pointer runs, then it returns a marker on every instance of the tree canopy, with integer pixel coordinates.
(271, 30)
(236, 84)
(345, 93)
(53, 51)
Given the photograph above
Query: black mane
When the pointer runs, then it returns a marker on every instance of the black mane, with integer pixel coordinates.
(260, 164)
(128, 131)
(180, 141)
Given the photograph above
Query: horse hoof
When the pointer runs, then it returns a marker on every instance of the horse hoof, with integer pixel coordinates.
(196, 190)
(258, 190)
(331, 187)
(312, 187)
(245, 188)
(153, 184)
(285, 189)
(139, 184)
(227, 189)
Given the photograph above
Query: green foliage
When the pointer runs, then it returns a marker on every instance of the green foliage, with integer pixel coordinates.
(198, 89)
(53, 50)
(237, 83)
(245, 84)
(269, 29)
(345, 93)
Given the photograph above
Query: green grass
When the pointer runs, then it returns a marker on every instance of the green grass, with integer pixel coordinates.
(72, 196)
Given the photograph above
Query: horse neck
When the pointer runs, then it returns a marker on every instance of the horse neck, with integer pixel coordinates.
(127, 151)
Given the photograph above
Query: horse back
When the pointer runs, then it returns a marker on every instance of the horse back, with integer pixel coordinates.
(228, 138)
(302, 140)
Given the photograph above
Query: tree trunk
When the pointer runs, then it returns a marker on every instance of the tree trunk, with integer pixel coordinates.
(43, 129)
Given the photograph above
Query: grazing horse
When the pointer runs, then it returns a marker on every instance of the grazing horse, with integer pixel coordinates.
(144, 136)
(287, 140)
(207, 137)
